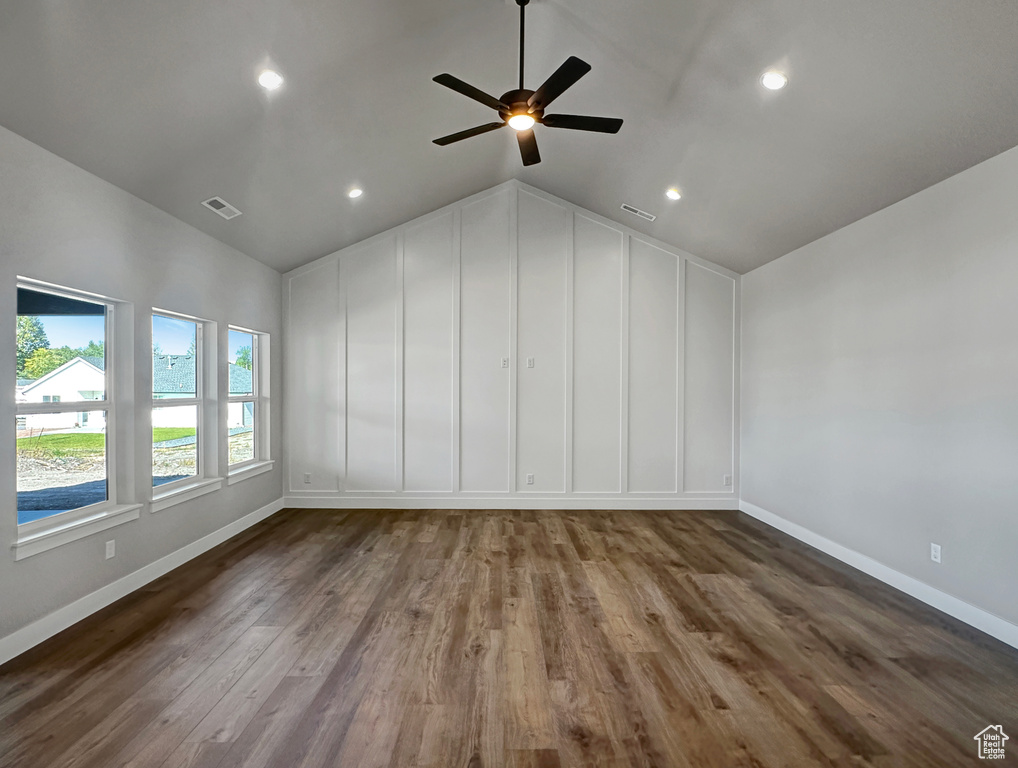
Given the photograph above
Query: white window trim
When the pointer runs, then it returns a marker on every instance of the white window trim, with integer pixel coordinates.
(248, 469)
(181, 494)
(262, 461)
(64, 527)
(63, 530)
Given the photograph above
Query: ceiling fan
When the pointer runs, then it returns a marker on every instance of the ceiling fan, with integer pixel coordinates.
(521, 109)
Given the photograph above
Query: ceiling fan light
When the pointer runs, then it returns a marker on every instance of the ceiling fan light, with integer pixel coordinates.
(523, 122)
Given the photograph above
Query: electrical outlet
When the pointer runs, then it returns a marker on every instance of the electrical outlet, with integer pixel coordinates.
(934, 552)
(505, 362)
(307, 478)
(530, 479)
(728, 481)
(530, 362)
(111, 549)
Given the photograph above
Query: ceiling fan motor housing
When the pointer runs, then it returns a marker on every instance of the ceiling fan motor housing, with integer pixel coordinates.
(518, 103)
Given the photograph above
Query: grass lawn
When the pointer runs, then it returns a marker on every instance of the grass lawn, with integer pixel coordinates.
(159, 434)
(82, 443)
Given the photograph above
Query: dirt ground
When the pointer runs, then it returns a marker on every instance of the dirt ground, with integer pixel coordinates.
(36, 474)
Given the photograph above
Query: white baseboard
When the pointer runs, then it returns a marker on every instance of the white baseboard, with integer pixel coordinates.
(520, 501)
(982, 620)
(28, 637)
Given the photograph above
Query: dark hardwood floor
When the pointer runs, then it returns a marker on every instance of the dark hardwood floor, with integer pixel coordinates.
(521, 639)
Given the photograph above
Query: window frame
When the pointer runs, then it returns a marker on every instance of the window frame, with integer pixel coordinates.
(45, 533)
(261, 461)
(206, 478)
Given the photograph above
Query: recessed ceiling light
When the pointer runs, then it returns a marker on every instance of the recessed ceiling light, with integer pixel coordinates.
(355, 193)
(522, 122)
(774, 80)
(673, 194)
(270, 80)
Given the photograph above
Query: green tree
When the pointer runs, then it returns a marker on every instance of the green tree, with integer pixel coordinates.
(31, 337)
(244, 358)
(94, 349)
(46, 360)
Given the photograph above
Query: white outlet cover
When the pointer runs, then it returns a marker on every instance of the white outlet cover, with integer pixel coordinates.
(935, 552)
(111, 549)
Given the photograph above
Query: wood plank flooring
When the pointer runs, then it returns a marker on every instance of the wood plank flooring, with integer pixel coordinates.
(517, 639)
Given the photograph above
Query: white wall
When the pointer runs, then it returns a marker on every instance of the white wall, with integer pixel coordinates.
(396, 394)
(62, 225)
(880, 387)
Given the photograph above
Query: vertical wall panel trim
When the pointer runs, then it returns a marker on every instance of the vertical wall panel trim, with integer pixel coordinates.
(399, 422)
(341, 378)
(736, 382)
(680, 380)
(457, 298)
(570, 360)
(284, 359)
(514, 246)
(624, 367)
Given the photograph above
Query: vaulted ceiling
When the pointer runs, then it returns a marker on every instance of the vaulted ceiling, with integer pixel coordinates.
(159, 98)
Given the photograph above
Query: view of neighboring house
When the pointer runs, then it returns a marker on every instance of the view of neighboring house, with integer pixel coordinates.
(83, 378)
(173, 378)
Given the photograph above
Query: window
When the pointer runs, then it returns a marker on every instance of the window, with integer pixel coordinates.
(178, 402)
(64, 451)
(246, 409)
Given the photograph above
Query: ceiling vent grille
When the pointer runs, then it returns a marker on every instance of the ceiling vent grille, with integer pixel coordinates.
(637, 212)
(220, 206)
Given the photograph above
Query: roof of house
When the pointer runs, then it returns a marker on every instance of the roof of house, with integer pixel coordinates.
(96, 362)
(174, 374)
(171, 374)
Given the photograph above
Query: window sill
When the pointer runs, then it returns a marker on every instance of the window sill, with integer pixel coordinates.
(161, 501)
(64, 533)
(248, 471)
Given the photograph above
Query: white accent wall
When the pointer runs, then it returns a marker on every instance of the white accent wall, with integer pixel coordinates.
(408, 375)
(880, 390)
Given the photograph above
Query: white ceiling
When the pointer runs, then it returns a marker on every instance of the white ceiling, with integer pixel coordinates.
(159, 98)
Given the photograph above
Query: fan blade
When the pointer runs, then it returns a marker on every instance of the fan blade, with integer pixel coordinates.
(528, 147)
(555, 86)
(583, 123)
(469, 91)
(470, 132)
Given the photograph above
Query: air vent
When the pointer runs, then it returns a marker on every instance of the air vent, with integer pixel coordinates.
(220, 206)
(638, 212)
